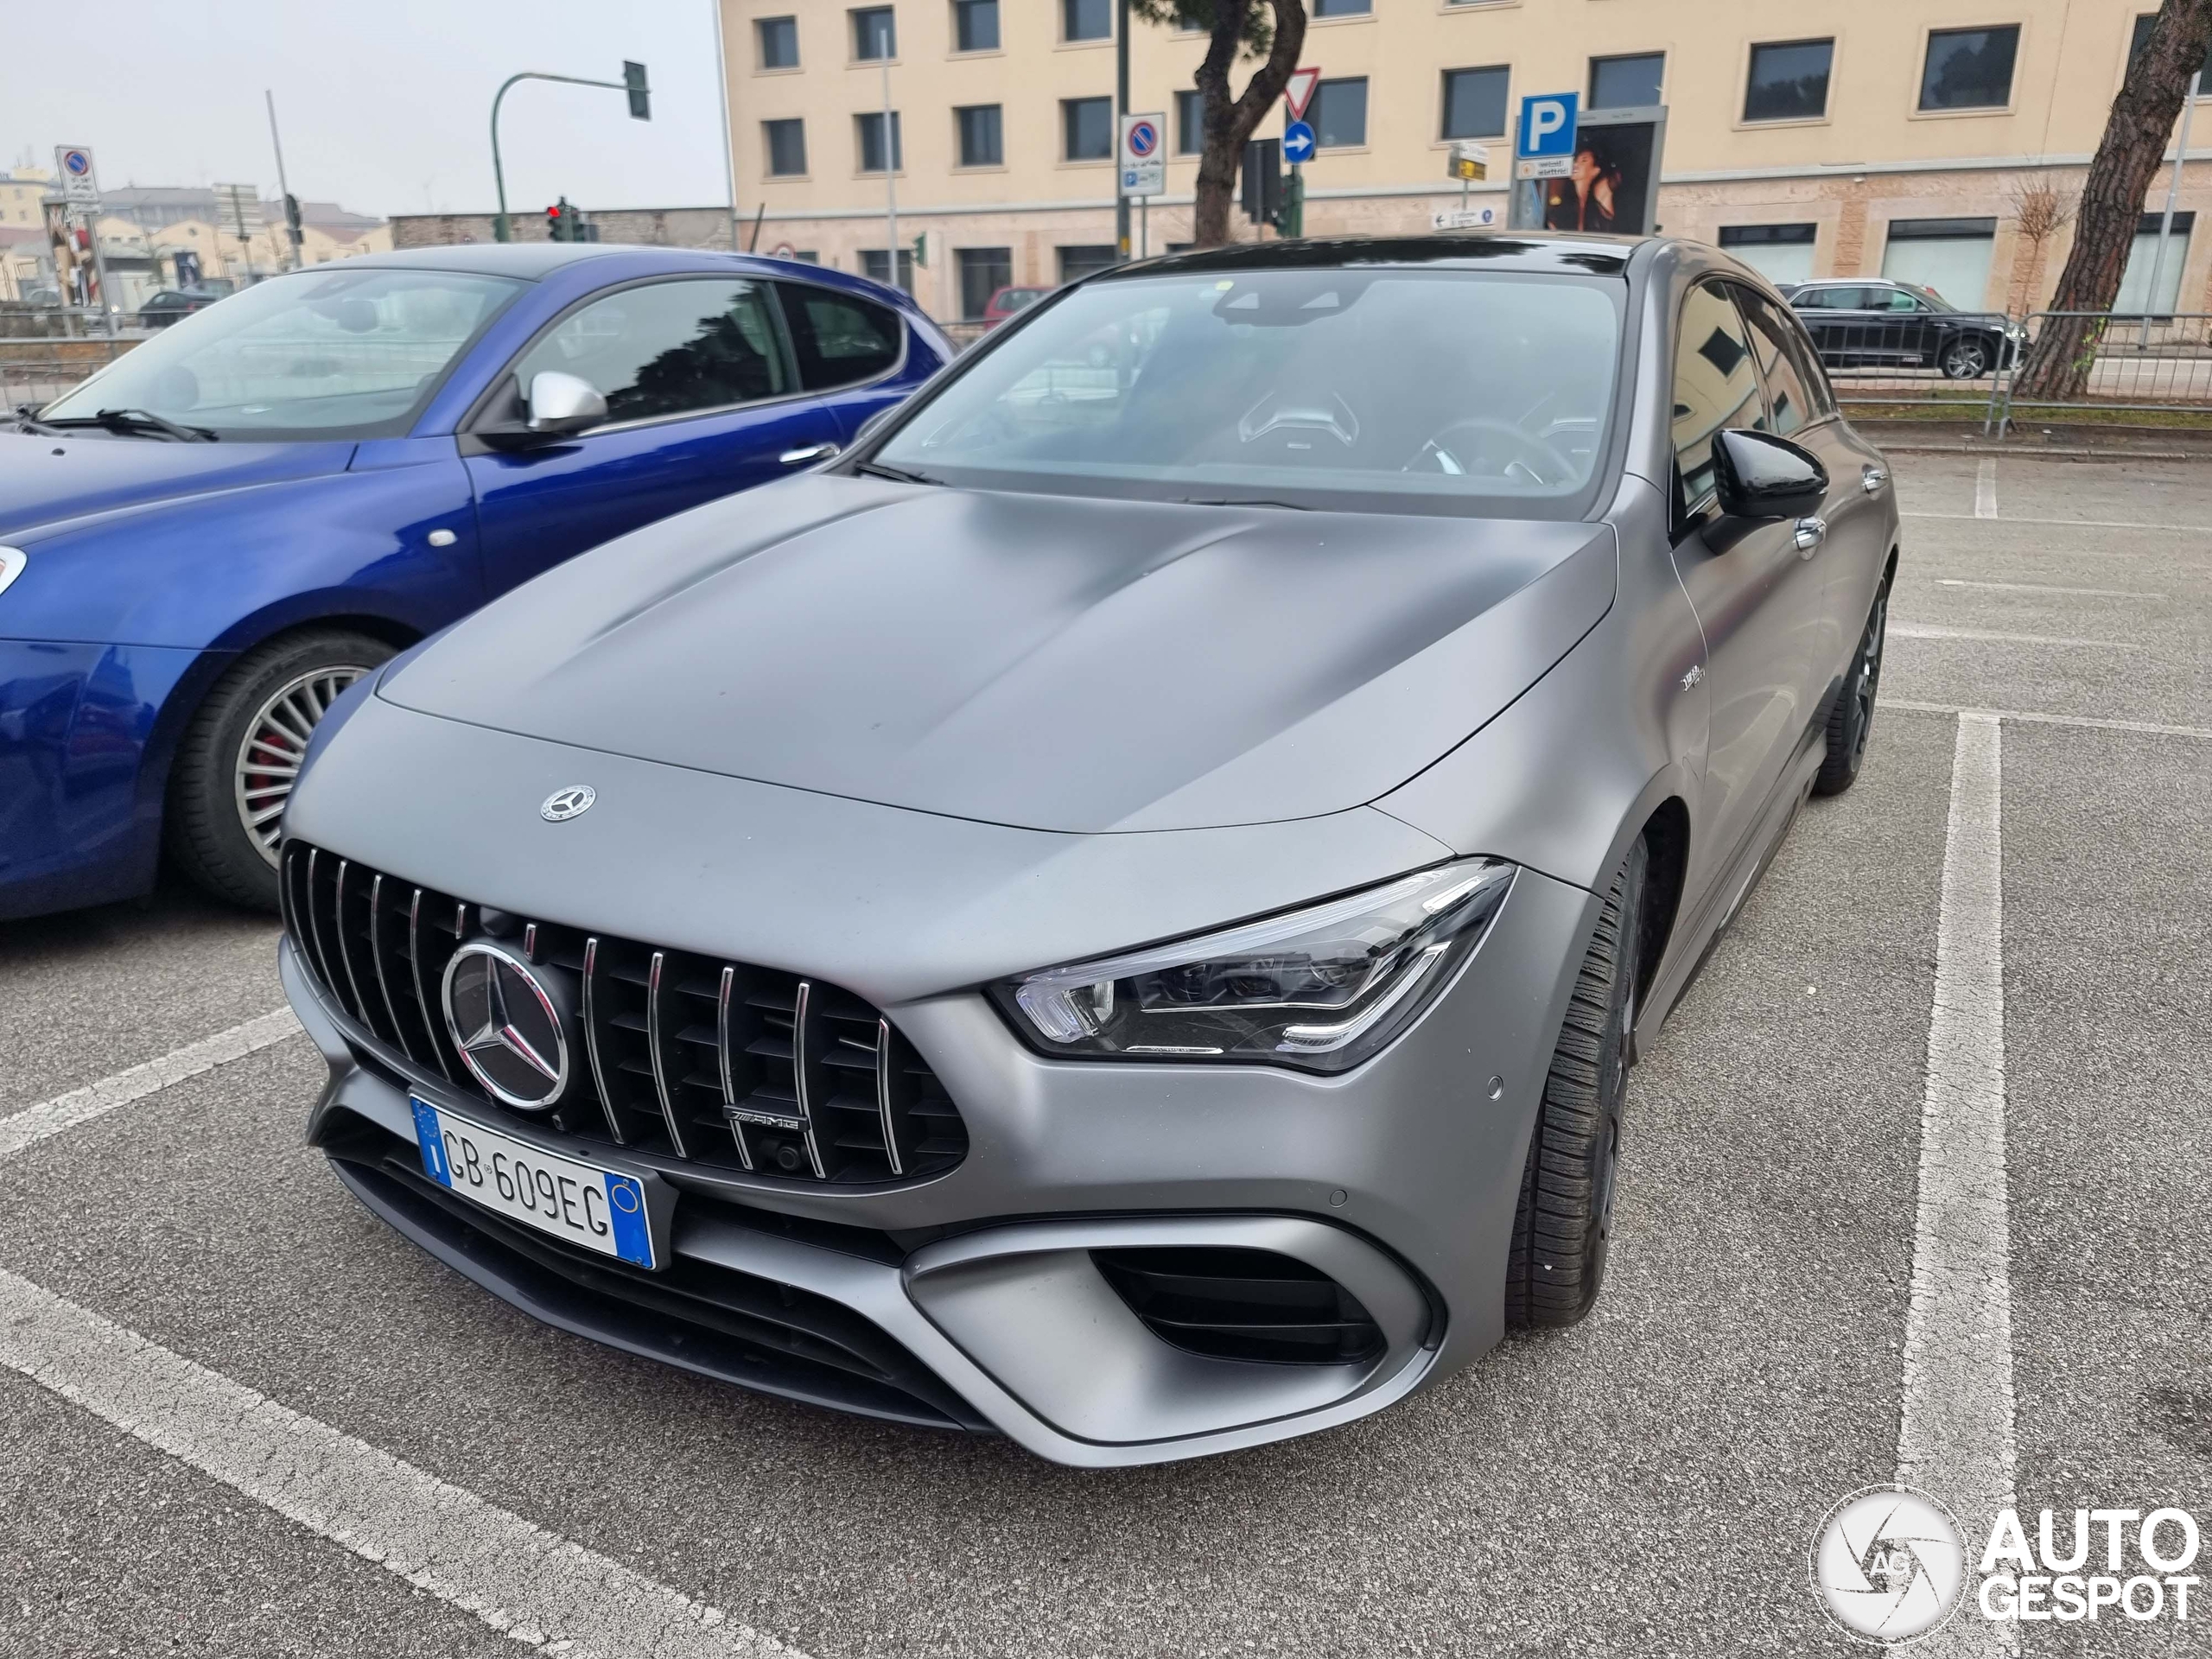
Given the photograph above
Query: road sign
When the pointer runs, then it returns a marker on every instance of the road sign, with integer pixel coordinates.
(1469, 162)
(1467, 218)
(1546, 135)
(1298, 142)
(1142, 159)
(237, 210)
(80, 184)
(1300, 91)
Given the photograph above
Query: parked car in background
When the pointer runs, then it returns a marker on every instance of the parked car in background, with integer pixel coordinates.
(203, 545)
(1871, 323)
(1009, 303)
(165, 308)
(46, 298)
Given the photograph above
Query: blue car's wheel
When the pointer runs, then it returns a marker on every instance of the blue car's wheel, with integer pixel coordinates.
(241, 755)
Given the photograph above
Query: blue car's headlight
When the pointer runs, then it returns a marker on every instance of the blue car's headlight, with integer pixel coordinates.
(1320, 988)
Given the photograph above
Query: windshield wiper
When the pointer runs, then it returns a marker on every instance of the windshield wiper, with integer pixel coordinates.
(1241, 501)
(897, 475)
(138, 420)
(25, 421)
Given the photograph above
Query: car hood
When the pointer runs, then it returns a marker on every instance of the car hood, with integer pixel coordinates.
(1042, 662)
(46, 481)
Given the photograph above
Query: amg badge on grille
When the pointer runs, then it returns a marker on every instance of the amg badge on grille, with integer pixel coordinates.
(570, 803)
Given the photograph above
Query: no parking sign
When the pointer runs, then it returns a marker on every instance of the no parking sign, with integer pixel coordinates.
(1142, 158)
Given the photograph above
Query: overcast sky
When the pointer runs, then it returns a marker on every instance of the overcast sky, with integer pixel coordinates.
(384, 106)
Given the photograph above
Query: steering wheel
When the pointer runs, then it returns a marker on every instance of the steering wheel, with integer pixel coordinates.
(1537, 458)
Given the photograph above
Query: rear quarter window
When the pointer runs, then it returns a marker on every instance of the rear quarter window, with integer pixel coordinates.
(840, 340)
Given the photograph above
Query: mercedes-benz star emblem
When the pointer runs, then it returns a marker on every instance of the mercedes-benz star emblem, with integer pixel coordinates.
(511, 1030)
(570, 803)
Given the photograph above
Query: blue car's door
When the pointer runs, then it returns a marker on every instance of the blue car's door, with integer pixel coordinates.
(704, 399)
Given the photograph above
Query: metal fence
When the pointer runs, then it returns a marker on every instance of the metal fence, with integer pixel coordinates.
(32, 371)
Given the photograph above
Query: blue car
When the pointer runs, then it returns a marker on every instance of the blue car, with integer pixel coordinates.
(208, 541)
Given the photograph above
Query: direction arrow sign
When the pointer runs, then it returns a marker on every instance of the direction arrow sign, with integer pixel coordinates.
(1298, 142)
(1299, 91)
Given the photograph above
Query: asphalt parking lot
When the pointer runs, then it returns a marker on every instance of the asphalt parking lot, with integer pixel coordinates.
(1645, 1483)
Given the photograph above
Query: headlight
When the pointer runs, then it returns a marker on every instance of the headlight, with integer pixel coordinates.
(1319, 989)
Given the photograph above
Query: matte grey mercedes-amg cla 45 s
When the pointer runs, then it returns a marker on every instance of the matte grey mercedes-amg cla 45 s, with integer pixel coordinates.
(1119, 910)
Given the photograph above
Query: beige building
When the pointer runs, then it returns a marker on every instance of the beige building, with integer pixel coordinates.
(1815, 137)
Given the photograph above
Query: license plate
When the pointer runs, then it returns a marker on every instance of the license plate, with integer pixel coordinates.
(600, 1209)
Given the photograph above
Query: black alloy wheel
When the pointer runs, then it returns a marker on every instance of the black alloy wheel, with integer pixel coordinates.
(1851, 722)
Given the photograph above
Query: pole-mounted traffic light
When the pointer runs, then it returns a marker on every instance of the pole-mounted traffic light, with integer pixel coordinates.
(641, 96)
(561, 221)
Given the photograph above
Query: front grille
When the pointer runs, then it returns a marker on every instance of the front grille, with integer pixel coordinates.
(1231, 1303)
(717, 1063)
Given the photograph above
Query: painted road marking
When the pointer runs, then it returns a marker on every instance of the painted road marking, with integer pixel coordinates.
(2072, 523)
(51, 1117)
(1955, 1430)
(1985, 488)
(520, 1580)
(2033, 588)
(2150, 728)
(1927, 631)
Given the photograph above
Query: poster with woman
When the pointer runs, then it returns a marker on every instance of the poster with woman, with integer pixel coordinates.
(1609, 184)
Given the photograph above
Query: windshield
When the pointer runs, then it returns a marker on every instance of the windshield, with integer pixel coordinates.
(1361, 389)
(321, 354)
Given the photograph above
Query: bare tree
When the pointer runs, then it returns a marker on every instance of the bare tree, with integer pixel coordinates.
(2133, 145)
(1273, 30)
(2040, 211)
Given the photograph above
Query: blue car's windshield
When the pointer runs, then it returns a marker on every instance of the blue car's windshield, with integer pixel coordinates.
(1390, 390)
(321, 354)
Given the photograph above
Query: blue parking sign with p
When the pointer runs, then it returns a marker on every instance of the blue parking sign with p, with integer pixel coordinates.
(1546, 125)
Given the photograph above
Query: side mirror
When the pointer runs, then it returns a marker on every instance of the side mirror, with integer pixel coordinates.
(563, 403)
(1756, 475)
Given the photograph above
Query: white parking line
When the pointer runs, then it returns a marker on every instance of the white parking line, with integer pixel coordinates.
(541, 1589)
(2070, 523)
(51, 1117)
(2033, 588)
(1926, 631)
(1985, 488)
(2150, 728)
(1955, 1430)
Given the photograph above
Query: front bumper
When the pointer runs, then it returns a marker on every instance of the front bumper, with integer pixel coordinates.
(974, 1298)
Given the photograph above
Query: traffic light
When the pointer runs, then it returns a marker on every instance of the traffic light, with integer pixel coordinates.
(292, 216)
(641, 96)
(1261, 195)
(922, 251)
(561, 222)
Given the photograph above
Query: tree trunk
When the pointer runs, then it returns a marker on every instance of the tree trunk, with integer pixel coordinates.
(1230, 124)
(2134, 143)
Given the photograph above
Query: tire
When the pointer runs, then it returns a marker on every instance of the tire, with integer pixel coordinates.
(1562, 1227)
(1851, 722)
(1967, 360)
(277, 694)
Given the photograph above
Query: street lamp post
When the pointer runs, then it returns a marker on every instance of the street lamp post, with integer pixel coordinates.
(633, 82)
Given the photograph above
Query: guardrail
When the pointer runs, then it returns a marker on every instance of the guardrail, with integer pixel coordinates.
(38, 371)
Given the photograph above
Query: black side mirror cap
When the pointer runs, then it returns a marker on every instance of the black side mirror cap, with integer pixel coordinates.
(1758, 475)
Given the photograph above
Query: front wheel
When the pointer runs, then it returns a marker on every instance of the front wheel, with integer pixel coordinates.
(1967, 360)
(241, 756)
(1852, 720)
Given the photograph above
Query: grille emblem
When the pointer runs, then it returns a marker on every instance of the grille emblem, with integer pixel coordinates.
(570, 803)
(509, 1029)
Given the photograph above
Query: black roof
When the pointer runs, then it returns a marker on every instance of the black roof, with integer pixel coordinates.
(1568, 253)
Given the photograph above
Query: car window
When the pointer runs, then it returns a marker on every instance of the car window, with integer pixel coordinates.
(668, 348)
(1897, 299)
(1716, 387)
(840, 340)
(1789, 405)
(1828, 299)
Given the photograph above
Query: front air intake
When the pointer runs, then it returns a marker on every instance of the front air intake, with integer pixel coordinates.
(1230, 1303)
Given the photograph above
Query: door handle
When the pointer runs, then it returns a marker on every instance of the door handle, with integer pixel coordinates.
(1873, 480)
(1810, 533)
(813, 451)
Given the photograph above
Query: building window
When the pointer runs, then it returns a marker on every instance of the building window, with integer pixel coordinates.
(1339, 113)
(1087, 127)
(869, 130)
(1781, 253)
(778, 42)
(1086, 20)
(1190, 123)
(786, 148)
(1632, 83)
(2143, 34)
(1970, 69)
(876, 265)
(974, 25)
(1949, 256)
(983, 271)
(1474, 103)
(1077, 263)
(1342, 7)
(983, 142)
(875, 34)
(2135, 296)
(1789, 81)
